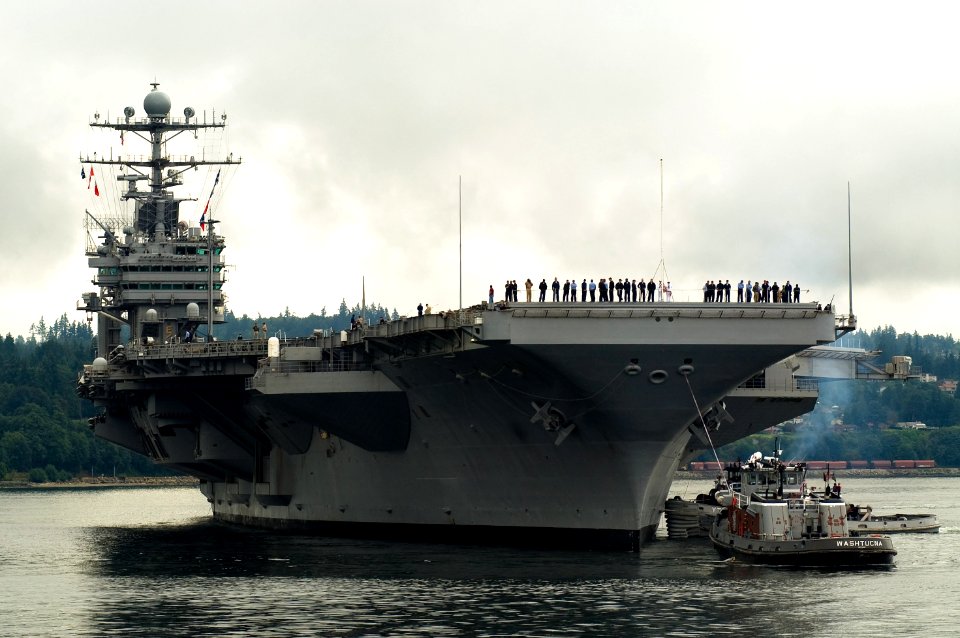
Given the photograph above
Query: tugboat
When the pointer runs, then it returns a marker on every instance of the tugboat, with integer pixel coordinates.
(693, 519)
(770, 519)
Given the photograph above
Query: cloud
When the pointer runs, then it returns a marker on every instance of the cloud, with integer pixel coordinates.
(355, 122)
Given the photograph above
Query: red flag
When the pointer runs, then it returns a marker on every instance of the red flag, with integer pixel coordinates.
(96, 189)
(90, 177)
(203, 217)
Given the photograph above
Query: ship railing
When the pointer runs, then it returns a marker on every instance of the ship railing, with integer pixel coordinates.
(270, 366)
(211, 349)
(669, 311)
(844, 324)
(780, 385)
(294, 367)
(95, 372)
(447, 320)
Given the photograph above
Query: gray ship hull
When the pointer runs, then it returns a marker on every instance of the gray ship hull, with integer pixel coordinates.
(449, 445)
(529, 429)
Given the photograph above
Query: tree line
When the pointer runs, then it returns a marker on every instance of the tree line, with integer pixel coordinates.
(43, 424)
(288, 324)
(853, 419)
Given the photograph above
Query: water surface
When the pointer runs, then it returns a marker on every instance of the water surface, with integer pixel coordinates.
(149, 562)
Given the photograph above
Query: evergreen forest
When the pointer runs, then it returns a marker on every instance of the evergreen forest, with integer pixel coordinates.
(44, 434)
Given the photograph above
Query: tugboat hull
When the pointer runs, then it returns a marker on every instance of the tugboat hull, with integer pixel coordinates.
(867, 551)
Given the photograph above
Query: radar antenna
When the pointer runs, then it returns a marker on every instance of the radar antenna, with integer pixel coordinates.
(849, 252)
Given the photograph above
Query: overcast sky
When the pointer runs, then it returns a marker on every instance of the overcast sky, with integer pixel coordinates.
(355, 119)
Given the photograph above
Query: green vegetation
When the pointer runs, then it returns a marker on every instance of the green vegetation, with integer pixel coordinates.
(44, 434)
(852, 419)
(43, 424)
(290, 325)
(43, 429)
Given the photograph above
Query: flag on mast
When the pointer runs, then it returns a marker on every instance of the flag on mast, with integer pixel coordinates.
(203, 217)
(89, 177)
(83, 174)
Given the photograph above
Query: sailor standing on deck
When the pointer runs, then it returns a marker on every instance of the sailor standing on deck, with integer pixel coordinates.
(256, 331)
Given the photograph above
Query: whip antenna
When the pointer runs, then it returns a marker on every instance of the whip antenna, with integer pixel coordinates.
(849, 253)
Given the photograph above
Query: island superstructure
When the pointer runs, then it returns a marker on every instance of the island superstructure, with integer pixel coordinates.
(543, 423)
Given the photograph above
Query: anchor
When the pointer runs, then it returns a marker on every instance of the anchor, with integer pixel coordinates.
(553, 420)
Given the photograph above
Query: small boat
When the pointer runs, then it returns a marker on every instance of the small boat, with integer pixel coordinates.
(770, 518)
(861, 520)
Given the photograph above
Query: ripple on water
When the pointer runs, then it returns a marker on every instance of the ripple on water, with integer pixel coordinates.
(129, 570)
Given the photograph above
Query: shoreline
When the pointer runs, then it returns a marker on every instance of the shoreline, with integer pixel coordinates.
(190, 481)
(914, 472)
(107, 481)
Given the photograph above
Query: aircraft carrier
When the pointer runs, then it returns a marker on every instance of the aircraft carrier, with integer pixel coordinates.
(550, 424)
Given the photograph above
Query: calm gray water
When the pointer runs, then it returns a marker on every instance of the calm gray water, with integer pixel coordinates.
(148, 562)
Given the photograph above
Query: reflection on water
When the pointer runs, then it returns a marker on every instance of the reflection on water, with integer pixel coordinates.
(151, 563)
(209, 549)
(206, 579)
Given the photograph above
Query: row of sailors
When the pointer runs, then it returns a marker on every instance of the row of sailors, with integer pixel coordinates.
(756, 292)
(625, 290)
(630, 291)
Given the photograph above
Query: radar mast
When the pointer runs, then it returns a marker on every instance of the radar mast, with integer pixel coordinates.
(163, 279)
